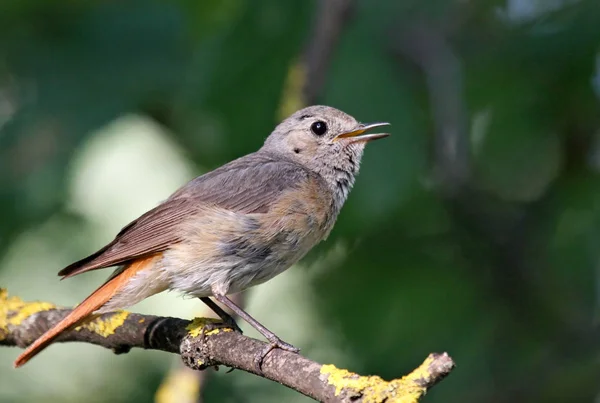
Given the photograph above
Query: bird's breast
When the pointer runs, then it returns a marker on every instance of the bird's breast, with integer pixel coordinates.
(235, 250)
(306, 211)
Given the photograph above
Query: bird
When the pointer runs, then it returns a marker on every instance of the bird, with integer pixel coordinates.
(232, 228)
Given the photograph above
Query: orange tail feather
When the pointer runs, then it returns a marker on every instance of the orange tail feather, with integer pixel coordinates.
(78, 315)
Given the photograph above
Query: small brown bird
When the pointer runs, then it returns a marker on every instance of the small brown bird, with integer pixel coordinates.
(235, 227)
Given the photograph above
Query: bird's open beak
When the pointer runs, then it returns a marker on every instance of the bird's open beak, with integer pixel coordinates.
(357, 134)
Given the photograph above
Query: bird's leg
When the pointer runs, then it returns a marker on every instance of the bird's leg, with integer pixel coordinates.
(274, 341)
(225, 317)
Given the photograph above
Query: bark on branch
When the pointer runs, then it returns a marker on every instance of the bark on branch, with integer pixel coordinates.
(21, 322)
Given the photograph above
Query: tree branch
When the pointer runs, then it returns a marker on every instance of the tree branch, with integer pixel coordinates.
(425, 44)
(182, 384)
(22, 322)
(307, 76)
(329, 22)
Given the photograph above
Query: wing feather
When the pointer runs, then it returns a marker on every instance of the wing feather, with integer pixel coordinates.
(247, 185)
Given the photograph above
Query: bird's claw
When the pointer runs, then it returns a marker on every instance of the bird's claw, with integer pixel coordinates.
(260, 356)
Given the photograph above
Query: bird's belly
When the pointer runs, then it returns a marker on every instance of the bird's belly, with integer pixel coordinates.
(234, 257)
(230, 273)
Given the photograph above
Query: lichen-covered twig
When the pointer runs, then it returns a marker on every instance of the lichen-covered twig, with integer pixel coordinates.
(21, 322)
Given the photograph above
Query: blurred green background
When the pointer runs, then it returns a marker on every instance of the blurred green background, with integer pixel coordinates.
(473, 229)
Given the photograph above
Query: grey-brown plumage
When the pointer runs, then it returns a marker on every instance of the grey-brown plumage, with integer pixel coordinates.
(236, 226)
(245, 185)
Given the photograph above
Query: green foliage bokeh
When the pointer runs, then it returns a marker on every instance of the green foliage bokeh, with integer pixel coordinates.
(502, 273)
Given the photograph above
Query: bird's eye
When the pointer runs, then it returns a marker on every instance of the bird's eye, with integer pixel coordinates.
(319, 128)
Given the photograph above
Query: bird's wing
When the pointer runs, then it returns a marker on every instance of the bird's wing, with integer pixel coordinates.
(246, 185)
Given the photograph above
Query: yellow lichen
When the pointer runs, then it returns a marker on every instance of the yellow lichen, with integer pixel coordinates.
(373, 389)
(105, 326)
(422, 373)
(216, 331)
(13, 311)
(197, 325)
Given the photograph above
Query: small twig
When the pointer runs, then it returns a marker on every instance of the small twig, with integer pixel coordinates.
(22, 322)
(425, 45)
(307, 76)
(330, 19)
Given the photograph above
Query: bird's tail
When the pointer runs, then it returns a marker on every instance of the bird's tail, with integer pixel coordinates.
(78, 315)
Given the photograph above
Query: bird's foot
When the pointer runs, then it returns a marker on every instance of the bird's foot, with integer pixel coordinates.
(274, 342)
